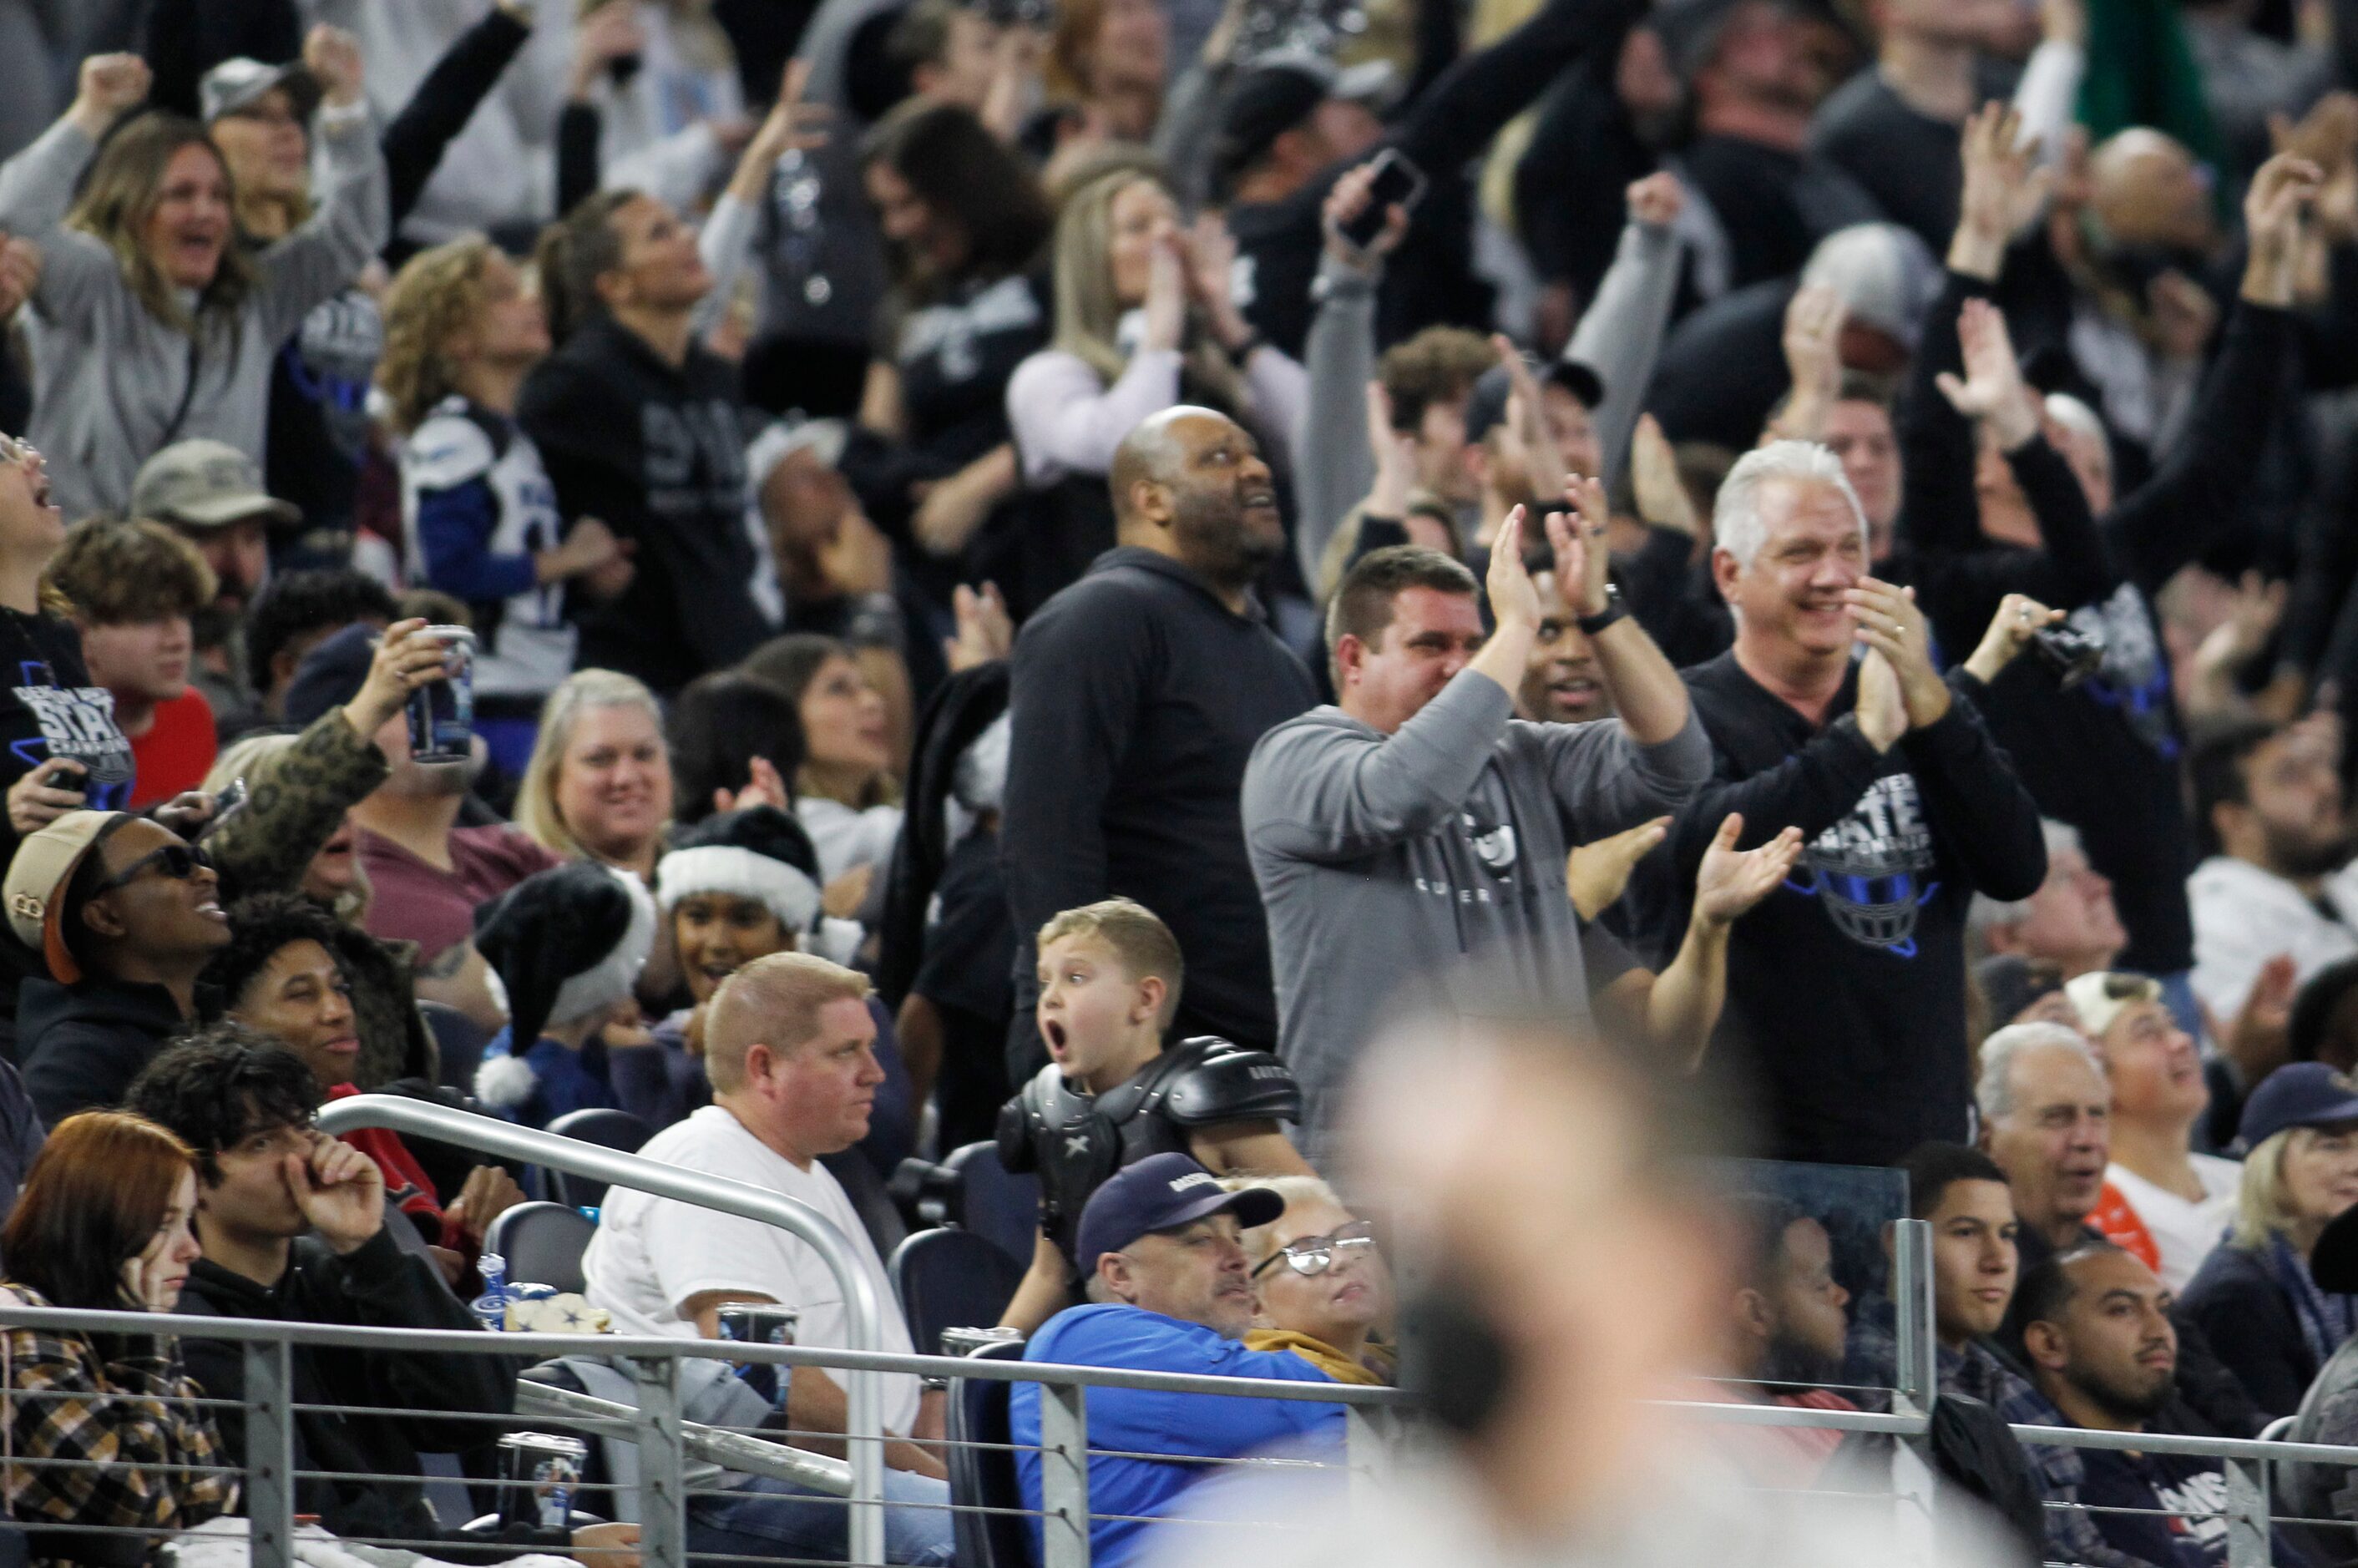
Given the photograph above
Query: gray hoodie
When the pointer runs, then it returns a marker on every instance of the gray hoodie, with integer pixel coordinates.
(108, 374)
(1386, 863)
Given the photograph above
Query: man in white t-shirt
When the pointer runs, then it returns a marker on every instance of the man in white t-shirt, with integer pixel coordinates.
(789, 1044)
(2160, 1200)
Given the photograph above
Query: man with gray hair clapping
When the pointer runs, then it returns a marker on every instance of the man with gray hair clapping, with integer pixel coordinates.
(1829, 715)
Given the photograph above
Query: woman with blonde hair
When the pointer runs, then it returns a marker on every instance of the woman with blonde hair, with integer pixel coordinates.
(2271, 1324)
(150, 324)
(478, 514)
(599, 785)
(1145, 322)
(1321, 1286)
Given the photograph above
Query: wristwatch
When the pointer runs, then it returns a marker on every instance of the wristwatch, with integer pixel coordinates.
(1590, 626)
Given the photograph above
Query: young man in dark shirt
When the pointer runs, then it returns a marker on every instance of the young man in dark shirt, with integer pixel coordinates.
(1137, 696)
(2097, 1334)
(293, 1227)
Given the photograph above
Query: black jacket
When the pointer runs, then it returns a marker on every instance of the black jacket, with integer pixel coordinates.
(82, 1045)
(2243, 1312)
(657, 453)
(1137, 697)
(2105, 756)
(1868, 1059)
(377, 1285)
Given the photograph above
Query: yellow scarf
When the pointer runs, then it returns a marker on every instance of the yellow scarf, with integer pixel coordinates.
(1325, 1357)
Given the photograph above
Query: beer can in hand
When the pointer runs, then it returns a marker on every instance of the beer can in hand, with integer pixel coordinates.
(540, 1473)
(754, 1322)
(442, 713)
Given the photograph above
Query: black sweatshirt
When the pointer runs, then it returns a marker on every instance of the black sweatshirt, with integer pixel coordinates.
(658, 454)
(1847, 987)
(2102, 757)
(82, 1045)
(1279, 242)
(1137, 697)
(377, 1285)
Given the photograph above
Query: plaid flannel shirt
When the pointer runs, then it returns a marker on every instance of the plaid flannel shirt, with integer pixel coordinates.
(120, 1423)
(2059, 1474)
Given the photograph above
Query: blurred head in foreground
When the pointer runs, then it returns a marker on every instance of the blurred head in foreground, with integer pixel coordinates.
(1569, 1261)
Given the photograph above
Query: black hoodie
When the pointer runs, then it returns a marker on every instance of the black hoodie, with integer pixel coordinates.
(82, 1045)
(375, 1285)
(657, 453)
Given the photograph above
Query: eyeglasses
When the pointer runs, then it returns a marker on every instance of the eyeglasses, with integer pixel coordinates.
(1313, 1255)
(178, 861)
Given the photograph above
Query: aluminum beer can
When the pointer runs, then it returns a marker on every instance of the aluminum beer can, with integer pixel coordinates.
(442, 713)
(967, 1341)
(752, 1323)
(551, 1467)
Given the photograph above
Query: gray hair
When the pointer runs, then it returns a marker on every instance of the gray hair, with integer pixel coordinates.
(1736, 523)
(1994, 1093)
(1987, 912)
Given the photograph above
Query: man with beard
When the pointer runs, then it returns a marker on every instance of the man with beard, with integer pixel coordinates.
(1137, 695)
(1787, 1324)
(2269, 818)
(211, 495)
(2097, 1334)
(1417, 822)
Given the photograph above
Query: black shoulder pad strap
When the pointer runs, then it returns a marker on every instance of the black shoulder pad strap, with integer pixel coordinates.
(1020, 1120)
(1227, 1083)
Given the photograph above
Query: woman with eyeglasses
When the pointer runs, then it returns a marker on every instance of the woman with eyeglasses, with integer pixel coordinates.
(151, 324)
(105, 1428)
(1320, 1283)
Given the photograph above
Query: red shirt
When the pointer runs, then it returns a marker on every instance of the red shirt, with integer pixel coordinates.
(415, 902)
(177, 751)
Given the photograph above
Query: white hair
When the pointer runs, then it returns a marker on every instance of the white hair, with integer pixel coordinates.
(1987, 912)
(1994, 1093)
(1736, 523)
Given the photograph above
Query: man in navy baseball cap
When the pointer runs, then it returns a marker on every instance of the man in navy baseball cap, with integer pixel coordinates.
(1169, 1291)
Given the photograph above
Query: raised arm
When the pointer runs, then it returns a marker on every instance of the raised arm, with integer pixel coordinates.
(319, 260)
(36, 186)
(2199, 490)
(1474, 99)
(446, 100)
(1334, 465)
(1621, 332)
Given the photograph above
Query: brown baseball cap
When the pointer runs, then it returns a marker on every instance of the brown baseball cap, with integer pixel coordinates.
(38, 876)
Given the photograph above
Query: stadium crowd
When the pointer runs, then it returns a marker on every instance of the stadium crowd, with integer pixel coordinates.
(853, 578)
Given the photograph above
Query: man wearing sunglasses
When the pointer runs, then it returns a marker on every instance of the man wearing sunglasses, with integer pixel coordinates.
(121, 915)
(1170, 1290)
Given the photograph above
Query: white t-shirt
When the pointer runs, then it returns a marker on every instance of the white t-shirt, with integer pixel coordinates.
(2183, 1233)
(652, 1254)
(2243, 916)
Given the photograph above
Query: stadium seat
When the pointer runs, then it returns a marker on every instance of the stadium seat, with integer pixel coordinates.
(950, 1279)
(984, 1477)
(870, 1199)
(459, 1041)
(997, 1204)
(543, 1243)
(616, 1130)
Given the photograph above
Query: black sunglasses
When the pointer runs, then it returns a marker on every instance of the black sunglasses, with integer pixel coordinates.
(178, 861)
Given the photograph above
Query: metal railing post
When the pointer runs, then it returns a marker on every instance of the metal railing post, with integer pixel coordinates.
(1911, 1299)
(2249, 1542)
(863, 1312)
(1063, 1475)
(663, 1495)
(270, 1453)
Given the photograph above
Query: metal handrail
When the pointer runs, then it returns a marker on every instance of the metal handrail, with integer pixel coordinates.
(863, 1314)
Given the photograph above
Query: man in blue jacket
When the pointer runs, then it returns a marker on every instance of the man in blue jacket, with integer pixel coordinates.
(1169, 1293)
